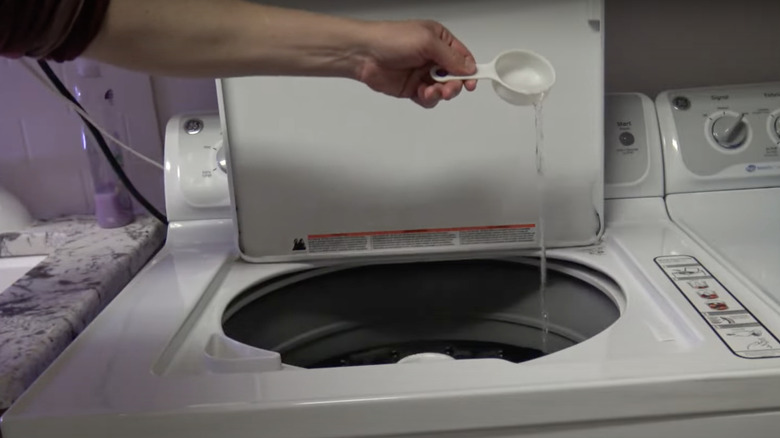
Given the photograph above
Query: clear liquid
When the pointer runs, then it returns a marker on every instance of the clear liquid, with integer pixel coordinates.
(542, 203)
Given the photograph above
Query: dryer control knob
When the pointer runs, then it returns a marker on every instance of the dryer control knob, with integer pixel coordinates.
(730, 131)
(777, 126)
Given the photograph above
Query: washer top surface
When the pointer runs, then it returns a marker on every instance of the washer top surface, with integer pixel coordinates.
(157, 349)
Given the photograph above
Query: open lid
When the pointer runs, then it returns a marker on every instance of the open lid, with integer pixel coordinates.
(324, 167)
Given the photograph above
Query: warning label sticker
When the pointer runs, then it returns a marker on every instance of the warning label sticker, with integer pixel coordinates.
(735, 325)
(429, 238)
(413, 240)
(338, 244)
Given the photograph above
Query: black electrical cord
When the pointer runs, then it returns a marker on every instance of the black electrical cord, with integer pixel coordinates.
(103, 145)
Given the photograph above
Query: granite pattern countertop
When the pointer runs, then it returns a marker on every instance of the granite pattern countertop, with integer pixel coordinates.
(85, 268)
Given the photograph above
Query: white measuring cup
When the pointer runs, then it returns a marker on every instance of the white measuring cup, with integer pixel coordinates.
(520, 77)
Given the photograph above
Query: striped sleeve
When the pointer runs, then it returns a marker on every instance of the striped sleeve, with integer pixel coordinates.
(52, 29)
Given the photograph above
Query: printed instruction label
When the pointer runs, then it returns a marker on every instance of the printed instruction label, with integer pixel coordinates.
(735, 325)
(430, 238)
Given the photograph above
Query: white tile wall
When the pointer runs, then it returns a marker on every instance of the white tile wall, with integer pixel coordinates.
(41, 158)
(174, 96)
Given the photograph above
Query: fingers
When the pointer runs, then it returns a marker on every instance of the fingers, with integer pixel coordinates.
(425, 103)
(428, 95)
(459, 47)
(450, 90)
(445, 50)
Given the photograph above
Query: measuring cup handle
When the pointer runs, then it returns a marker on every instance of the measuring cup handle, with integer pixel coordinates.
(484, 71)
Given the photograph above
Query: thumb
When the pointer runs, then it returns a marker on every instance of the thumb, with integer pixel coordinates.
(450, 59)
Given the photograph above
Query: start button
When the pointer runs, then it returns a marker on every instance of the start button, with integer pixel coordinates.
(627, 139)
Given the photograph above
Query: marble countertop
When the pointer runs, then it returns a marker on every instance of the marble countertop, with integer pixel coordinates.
(85, 268)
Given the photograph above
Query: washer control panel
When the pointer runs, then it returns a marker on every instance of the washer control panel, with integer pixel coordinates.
(721, 138)
(196, 182)
(632, 147)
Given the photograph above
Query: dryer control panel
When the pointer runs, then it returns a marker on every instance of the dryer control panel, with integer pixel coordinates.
(721, 138)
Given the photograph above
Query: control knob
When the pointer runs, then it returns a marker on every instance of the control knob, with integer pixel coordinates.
(777, 125)
(221, 159)
(730, 131)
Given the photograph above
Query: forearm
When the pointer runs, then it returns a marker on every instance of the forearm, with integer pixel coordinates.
(224, 38)
(218, 38)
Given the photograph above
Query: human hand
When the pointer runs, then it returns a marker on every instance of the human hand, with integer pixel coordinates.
(400, 55)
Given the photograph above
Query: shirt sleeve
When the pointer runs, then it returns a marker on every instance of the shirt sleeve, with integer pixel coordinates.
(59, 30)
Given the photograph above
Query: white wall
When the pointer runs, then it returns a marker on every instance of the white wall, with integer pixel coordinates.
(655, 45)
(41, 157)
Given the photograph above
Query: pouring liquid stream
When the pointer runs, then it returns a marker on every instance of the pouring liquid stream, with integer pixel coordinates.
(543, 249)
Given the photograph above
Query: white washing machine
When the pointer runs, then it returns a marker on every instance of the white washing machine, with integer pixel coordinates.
(383, 277)
(723, 180)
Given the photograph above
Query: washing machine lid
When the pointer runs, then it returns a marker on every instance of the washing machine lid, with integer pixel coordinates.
(324, 167)
(740, 228)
